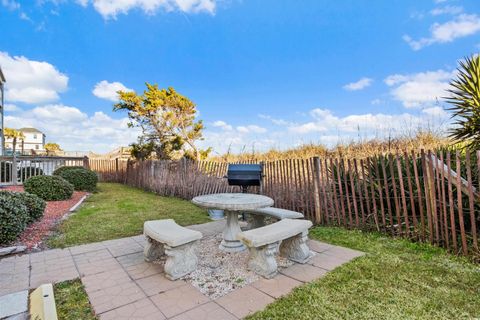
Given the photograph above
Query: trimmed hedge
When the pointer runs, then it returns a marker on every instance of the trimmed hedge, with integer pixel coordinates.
(26, 172)
(35, 205)
(13, 217)
(49, 188)
(81, 179)
(59, 171)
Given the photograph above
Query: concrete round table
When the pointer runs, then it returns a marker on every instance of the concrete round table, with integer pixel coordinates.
(232, 204)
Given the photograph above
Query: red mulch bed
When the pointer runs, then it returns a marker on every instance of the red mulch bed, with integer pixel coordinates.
(34, 234)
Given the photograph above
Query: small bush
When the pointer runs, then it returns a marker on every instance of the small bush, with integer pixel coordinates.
(59, 171)
(27, 172)
(35, 205)
(49, 188)
(13, 217)
(82, 179)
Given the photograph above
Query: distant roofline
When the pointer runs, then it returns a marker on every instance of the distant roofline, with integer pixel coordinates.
(30, 129)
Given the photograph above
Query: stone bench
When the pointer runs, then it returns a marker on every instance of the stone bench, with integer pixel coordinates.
(263, 244)
(176, 242)
(277, 213)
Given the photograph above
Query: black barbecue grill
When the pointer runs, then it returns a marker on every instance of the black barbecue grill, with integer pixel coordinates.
(245, 175)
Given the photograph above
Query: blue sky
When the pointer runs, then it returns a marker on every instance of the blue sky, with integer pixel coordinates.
(262, 73)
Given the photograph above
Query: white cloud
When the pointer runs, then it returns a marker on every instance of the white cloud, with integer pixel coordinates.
(223, 140)
(58, 113)
(11, 107)
(420, 89)
(25, 17)
(108, 90)
(358, 85)
(31, 81)
(324, 126)
(308, 127)
(74, 130)
(223, 125)
(435, 112)
(462, 26)
(222, 135)
(418, 15)
(11, 4)
(110, 9)
(446, 10)
(325, 121)
(376, 102)
(251, 129)
(83, 3)
(278, 122)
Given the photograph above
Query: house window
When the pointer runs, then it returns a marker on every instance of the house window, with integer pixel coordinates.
(37, 146)
(35, 137)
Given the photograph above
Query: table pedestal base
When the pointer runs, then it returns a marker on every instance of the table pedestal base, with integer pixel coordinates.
(232, 246)
(230, 242)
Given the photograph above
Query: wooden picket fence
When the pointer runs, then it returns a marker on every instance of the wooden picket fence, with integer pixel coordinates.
(422, 196)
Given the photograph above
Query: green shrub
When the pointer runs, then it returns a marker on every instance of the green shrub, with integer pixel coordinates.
(58, 171)
(49, 188)
(82, 179)
(35, 205)
(13, 217)
(5, 171)
(26, 172)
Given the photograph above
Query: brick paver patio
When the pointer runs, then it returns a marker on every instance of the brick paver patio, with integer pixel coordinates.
(121, 285)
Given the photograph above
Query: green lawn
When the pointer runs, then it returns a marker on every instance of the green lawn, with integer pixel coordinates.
(117, 211)
(397, 279)
(72, 301)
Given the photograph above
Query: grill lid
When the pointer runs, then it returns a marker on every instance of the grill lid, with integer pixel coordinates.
(244, 174)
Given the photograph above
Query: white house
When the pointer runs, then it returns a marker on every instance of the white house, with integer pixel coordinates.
(34, 141)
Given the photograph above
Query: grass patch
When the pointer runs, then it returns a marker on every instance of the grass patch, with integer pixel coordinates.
(396, 279)
(72, 301)
(117, 211)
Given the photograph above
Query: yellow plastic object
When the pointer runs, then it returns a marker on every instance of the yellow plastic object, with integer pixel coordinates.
(42, 303)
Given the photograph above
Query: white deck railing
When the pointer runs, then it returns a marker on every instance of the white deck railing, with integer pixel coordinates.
(14, 170)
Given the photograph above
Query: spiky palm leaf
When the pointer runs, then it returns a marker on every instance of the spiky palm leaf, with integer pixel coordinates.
(465, 103)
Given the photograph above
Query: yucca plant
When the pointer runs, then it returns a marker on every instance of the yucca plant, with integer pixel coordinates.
(465, 103)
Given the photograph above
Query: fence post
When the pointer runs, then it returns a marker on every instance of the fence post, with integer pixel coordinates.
(127, 172)
(14, 170)
(116, 170)
(430, 188)
(152, 175)
(316, 189)
(262, 165)
(86, 164)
